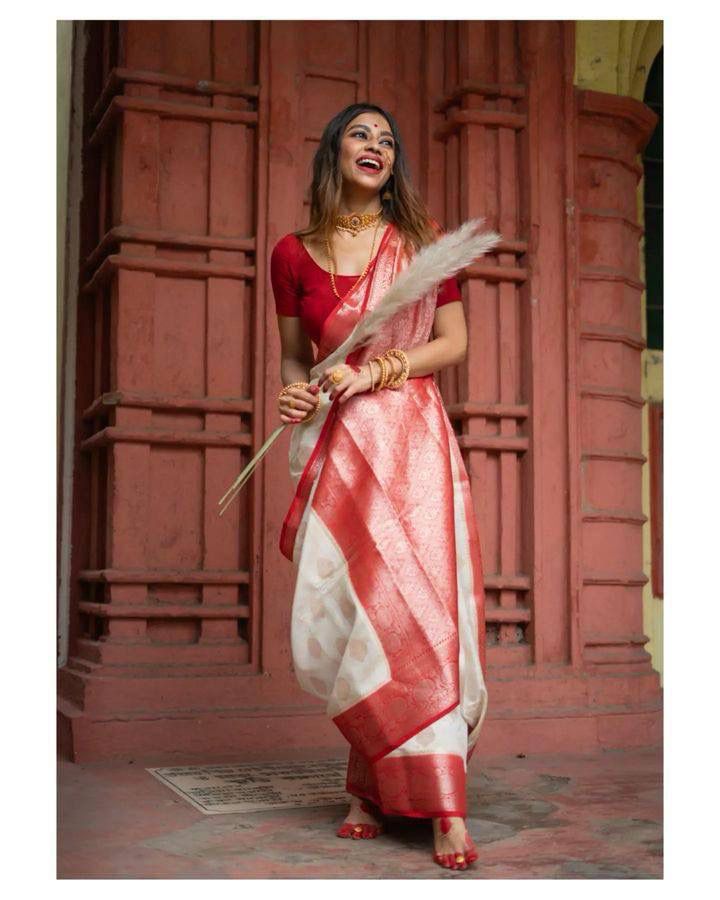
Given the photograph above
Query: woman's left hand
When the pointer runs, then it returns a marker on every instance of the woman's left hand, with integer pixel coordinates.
(355, 380)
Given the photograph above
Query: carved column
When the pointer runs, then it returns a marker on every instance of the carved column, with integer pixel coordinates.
(612, 130)
(547, 405)
(502, 101)
(165, 591)
(484, 116)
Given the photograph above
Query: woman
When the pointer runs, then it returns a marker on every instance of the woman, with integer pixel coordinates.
(388, 618)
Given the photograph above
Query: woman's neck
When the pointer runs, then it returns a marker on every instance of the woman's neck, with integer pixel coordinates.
(358, 202)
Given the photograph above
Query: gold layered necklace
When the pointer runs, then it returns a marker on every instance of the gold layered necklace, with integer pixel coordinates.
(357, 222)
(331, 262)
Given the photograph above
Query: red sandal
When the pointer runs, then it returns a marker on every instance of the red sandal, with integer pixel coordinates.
(456, 860)
(362, 829)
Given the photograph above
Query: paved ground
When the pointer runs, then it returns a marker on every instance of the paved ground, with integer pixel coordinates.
(544, 816)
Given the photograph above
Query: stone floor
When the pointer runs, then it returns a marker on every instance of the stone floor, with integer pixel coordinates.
(541, 816)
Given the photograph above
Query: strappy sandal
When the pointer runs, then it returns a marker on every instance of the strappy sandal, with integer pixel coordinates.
(359, 830)
(456, 860)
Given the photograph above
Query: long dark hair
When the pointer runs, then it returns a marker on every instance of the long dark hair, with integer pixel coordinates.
(405, 207)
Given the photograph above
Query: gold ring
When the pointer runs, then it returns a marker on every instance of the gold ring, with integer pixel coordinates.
(291, 403)
(459, 857)
(336, 376)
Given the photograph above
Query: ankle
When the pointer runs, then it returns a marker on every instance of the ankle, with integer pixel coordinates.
(364, 809)
(445, 824)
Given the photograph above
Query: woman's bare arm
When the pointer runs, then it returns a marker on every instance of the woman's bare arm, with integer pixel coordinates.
(449, 344)
(296, 350)
(295, 364)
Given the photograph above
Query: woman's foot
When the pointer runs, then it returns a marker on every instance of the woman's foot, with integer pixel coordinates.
(454, 848)
(363, 820)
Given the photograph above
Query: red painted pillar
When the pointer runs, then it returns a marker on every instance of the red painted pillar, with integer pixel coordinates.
(611, 132)
(482, 133)
(166, 600)
(525, 403)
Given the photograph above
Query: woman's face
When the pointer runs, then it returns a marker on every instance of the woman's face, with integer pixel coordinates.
(367, 151)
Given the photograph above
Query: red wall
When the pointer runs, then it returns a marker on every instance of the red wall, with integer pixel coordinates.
(198, 143)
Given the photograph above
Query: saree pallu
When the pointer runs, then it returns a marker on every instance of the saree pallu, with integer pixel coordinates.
(388, 624)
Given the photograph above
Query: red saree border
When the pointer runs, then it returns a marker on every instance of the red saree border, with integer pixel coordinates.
(354, 726)
(407, 608)
(377, 584)
(408, 813)
(423, 785)
(293, 517)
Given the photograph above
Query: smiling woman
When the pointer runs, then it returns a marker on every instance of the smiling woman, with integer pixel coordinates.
(341, 185)
(388, 612)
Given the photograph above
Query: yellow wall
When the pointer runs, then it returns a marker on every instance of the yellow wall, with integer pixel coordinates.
(615, 57)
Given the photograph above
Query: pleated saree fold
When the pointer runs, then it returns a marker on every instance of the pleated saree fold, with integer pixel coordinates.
(388, 611)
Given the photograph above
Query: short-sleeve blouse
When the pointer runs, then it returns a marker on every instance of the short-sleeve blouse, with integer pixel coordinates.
(302, 288)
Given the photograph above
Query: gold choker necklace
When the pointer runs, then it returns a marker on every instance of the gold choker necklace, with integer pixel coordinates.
(357, 222)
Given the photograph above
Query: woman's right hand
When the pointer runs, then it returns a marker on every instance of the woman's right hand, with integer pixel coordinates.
(298, 403)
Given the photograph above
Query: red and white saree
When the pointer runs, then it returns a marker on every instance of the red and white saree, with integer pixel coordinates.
(388, 613)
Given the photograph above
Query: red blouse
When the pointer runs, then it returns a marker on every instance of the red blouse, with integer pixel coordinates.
(302, 288)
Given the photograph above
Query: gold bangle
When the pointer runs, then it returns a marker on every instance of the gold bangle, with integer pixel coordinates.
(406, 363)
(377, 384)
(286, 389)
(311, 414)
(404, 374)
(384, 366)
(300, 384)
(372, 376)
(392, 380)
(406, 367)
